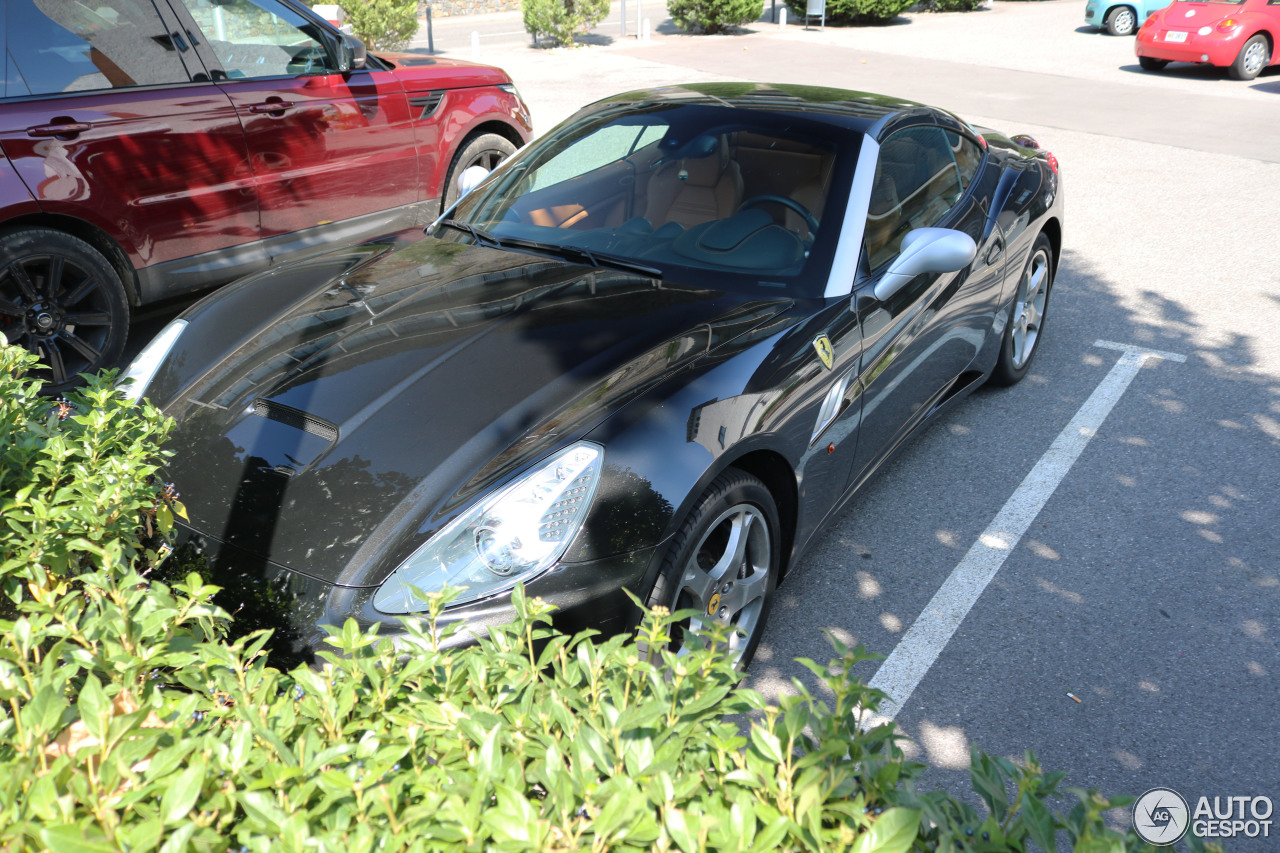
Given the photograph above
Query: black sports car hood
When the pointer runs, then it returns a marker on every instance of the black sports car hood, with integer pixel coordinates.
(360, 417)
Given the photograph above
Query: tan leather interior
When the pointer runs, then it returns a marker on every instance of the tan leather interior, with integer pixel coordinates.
(691, 191)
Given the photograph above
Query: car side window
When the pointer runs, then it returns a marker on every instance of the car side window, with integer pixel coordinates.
(65, 46)
(921, 174)
(260, 38)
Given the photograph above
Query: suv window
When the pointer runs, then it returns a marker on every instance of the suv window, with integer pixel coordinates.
(260, 38)
(922, 173)
(65, 46)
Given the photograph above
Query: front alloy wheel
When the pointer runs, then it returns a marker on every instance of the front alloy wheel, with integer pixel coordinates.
(723, 565)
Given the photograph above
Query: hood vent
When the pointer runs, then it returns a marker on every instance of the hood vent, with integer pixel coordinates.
(427, 104)
(296, 419)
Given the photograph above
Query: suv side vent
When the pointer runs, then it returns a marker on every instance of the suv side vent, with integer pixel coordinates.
(296, 419)
(427, 104)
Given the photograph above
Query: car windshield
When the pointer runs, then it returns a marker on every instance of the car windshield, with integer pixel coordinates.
(706, 194)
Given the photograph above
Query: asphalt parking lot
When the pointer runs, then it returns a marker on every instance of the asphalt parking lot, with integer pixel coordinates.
(1143, 578)
(1138, 571)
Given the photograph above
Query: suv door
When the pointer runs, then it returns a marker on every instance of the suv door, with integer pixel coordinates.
(325, 146)
(108, 117)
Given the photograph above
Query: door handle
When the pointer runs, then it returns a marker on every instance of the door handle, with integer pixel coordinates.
(995, 253)
(276, 107)
(69, 129)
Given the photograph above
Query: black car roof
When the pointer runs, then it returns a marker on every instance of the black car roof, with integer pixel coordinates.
(866, 112)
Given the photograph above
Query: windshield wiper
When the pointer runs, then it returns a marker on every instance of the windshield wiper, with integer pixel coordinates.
(578, 254)
(480, 236)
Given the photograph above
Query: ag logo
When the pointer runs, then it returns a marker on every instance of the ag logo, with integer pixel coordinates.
(1161, 817)
(825, 351)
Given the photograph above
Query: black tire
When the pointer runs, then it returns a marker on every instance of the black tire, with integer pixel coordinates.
(1023, 332)
(484, 149)
(706, 569)
(62, 300)
(1255, 55)
(1150, 63)
(1121, 21)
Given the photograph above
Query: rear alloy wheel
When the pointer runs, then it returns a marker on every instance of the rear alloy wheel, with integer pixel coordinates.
(723, 563)
(60, 299)
(1026, 320)
(1121, 21)
(1150, 63)
(1254, 56)
(486, 150)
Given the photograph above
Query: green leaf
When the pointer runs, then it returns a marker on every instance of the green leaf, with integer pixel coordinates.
(181, 795)
(679, 830)
(767, 744)
(893, 832)
(69, 838)
(1040, 822)
(179, 840)
(94, 707)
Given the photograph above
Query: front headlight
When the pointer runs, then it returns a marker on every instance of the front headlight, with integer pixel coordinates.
(143, 369)
(511, 537)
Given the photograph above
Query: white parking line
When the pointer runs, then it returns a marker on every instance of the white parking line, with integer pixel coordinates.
(906, 666)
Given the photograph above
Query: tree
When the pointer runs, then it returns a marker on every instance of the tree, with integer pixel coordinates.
(560, 20)
(383, 24)
(714, 16)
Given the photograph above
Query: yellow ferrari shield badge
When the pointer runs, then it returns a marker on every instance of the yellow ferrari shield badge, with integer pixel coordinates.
(825, 352)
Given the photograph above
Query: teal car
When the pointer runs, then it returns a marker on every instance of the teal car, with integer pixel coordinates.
(1121, 17)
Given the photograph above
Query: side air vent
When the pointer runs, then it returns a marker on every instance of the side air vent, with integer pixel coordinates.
(296, 419)
(426, 105)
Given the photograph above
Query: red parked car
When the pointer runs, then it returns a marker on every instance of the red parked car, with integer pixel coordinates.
(1237, 34)
(153, 148)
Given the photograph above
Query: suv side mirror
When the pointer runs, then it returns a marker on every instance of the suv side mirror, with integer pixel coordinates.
(926, 250)
(352, 53)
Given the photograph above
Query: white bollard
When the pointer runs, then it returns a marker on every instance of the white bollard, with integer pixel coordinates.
(782, 18)
(644, 33)
(475, 45)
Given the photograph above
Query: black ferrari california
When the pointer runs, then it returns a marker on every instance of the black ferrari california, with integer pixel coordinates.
(655, 350)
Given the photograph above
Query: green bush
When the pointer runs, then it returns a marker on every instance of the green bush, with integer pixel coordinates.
(382, 24)
(713, 16)
(856, 12)
(127, 722)
(558, 21)
(954, 5)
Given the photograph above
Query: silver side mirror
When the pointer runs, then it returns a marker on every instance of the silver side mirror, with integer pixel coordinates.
(926, 250)
(470, 179)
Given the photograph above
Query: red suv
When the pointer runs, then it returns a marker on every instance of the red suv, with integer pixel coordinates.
(158, 147)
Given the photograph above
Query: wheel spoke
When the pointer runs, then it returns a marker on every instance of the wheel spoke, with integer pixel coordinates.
(1037, 280)
(697, 582)
(54, 357)
(12, 334)
(83, 289)
(96, 318)
(736, 548)
(19, 274)
(82, 347)
(9, 309)
(53, 280)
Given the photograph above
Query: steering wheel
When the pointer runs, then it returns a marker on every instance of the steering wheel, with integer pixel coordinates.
(810, 220)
